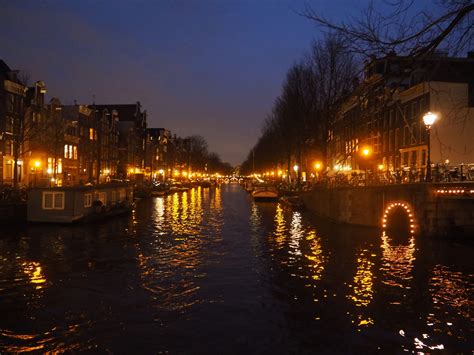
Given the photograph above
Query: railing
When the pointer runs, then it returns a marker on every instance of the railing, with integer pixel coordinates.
(439, 173)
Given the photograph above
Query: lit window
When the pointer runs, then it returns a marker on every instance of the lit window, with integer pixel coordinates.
(75, 152)
(65, 151)
(91, 134)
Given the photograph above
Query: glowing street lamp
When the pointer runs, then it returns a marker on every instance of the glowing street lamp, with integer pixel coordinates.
(366, 152)
(37, 164)
(428, 119)
(295, 168)
(318, 166)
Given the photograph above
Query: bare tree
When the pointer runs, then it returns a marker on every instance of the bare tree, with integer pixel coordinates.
(396, 26)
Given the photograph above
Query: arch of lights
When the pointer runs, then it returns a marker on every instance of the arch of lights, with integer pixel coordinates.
(408, 210)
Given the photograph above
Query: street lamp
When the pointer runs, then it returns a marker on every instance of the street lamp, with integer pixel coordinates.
(366, 152)
(296, 168)
(428, 119)
(317, 166)
(37, 165)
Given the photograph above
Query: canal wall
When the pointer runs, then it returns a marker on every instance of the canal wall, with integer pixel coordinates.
(436, 209)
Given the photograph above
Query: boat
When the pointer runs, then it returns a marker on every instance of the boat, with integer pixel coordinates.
(262, 193)
(78, 203)
(159, 189)
(294, 202)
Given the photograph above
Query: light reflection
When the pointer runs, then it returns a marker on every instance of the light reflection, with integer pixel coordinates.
(450, 291)
(217, 201)
(397, 262)
(170, 265)
(280, 226)
(296, 233)
(363, 287)
(316, 257)
(34, 271)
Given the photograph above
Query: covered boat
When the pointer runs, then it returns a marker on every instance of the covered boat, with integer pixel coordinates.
(71, 204)
(264, 192)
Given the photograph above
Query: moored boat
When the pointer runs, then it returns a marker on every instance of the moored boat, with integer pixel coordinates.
(263, 193)
(72, 204)
(294, 202)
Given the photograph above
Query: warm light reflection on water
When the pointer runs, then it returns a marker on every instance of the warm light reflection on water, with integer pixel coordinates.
(315, 256)
(451, 293)
(280, 226)
(210, 270)
(35, 273)
(397, 262)
(363, 287)
(296, 233)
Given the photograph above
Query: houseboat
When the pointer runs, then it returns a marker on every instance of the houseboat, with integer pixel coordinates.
(72, 204)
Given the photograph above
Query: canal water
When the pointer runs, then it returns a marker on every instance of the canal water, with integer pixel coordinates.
(211, 271)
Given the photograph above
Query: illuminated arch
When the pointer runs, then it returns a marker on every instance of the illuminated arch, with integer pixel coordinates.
(399, 204)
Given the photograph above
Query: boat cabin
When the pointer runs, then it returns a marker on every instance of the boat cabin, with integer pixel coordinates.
(70, 204)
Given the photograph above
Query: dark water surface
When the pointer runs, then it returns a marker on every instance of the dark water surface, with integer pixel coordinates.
(210, 271)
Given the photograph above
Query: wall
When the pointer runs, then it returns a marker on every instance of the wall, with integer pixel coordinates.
(434, 213)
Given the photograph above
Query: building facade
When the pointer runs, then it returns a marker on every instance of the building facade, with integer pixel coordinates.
(384, 116)
(12, 97)
(132, 124)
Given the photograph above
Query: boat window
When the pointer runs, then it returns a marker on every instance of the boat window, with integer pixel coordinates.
(113, 197)
(53, 200)
(87, 200)
(103, 198)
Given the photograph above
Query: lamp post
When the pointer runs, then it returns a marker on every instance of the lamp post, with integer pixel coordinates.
(366, 152)
(37, 165)
(428, 119)
(317, 166)
(295, 168)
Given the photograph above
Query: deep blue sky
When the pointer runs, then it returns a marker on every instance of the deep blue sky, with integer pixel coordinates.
(211, 68)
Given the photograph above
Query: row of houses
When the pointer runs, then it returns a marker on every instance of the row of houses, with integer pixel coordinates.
(48, 143)
(384, 115)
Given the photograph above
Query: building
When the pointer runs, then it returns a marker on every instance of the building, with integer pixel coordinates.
(12, 96)
(82, 124)
(384, 115)
(132, 124)
(157, 157)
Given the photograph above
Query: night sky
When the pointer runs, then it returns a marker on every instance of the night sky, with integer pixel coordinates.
(211, 68)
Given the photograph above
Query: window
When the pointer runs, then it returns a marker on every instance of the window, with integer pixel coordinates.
(102, 197)
(113, 197)
(405, 158)
(122, 194)
(390, 141)
(414, 132)
(87, 200)
(10, 102)
(51, 166)
(9, 170)
(75, 152)
(413, 158)
(9, 124)
(53, 200)
(65, 151)
(9, 147)
(91, 134)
